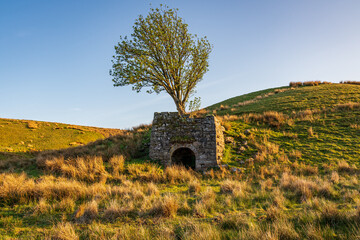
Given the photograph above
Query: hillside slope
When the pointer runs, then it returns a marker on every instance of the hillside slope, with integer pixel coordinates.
(320, 123)
(24, 137)
(290, 171)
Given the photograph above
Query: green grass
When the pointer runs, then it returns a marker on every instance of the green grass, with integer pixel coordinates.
(313, 97)
(335, 132)
(299, 179)
(24, 137)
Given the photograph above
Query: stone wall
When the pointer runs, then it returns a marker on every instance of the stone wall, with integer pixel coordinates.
(203, 136)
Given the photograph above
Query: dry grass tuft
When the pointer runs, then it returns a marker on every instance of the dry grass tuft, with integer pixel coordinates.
(295, 84)
(32, 125)
(266, 151)
(66, 205)
(189, 229)
(176, 173)
(308, 114)
(307, 169)
(87, 212)
(272, 118)
(146, 172)
(63, 231)
(303, 188)
(347, 106)
(89, 169)
(151, 189)
(285, 230)
(236, 188)
(331, 215)
(130, 232)
(194, 186)
(344, 167)
(334, 177)
(42, 207)
(98, 231)
(16, 188)
(115, 210)
(117, 165)
(165, 207)
(235, 222)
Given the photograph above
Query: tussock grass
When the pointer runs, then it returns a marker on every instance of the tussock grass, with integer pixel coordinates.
(165, 207)
(271, 118)
(302, 187)
(117, 165)
(87, 212)
(116, 210)
(344, 167)
(194, 186)
(63, 231)
(176, 173)
(146, 172)
(347, 106)
(89, 169)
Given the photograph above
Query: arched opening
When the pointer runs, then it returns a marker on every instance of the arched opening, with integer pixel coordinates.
(184, 156)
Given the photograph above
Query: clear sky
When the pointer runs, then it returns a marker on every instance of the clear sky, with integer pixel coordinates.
(55, 55)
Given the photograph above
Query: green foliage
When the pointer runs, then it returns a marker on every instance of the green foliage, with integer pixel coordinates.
(162, 56)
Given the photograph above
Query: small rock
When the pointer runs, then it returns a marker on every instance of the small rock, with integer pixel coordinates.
(242, 149)
(247, 132)
(224, 166)
(234, 169)
(229, 139)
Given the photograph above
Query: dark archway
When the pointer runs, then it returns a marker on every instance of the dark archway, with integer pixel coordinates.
(184, 156)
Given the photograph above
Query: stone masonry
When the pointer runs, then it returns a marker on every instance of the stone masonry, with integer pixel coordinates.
(200, 138)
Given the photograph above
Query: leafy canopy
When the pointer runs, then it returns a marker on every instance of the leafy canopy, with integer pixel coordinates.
(162, 56)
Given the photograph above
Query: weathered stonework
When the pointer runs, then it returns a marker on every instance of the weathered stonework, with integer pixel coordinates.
(175, 139)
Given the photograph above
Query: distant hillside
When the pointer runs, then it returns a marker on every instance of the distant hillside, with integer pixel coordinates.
(22, 136)
(319, 123)
(286, 99)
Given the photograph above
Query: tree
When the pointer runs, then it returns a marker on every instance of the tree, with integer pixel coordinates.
(162, 56)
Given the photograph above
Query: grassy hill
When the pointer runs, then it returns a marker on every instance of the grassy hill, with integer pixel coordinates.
(321, 122)
(290, 171)
(25, 137)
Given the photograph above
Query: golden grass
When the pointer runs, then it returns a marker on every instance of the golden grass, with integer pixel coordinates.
(89, 169)
(272, 118)
(347, 106)
(87, 212)
(344, 167)
(117, 165)
(146, 172)
(303, 188)
(194, 186)
(236, 188)
(63, 231)
(114, 210)
(165, 207)
(176, 173)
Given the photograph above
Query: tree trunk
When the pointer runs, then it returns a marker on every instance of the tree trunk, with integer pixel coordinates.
(180, 107)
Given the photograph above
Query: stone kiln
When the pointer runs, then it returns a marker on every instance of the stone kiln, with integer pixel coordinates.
(194, 142)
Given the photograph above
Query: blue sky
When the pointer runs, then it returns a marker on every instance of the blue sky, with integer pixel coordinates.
(55, 56)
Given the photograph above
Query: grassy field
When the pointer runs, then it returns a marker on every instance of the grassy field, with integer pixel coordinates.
(290, 171)
(24, 138)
